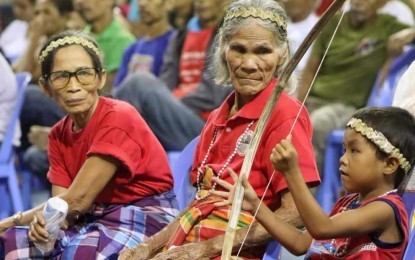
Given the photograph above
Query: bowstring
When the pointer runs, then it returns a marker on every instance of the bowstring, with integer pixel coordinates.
(295, 121)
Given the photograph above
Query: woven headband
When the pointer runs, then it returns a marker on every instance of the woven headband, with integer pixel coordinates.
(67, 40)
(380, 141)
(245, 12)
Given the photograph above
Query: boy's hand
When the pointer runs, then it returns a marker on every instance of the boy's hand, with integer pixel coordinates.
(251, 200)
(284, 157)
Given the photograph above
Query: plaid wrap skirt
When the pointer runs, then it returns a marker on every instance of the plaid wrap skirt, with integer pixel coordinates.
(108, 229)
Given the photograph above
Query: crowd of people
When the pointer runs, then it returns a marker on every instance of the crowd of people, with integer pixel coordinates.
(109, 97)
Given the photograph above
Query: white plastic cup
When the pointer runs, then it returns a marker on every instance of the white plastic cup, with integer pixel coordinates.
(54, 212)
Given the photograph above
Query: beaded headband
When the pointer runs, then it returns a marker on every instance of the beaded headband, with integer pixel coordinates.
(245, 12)
(380, 141)
(67, 40)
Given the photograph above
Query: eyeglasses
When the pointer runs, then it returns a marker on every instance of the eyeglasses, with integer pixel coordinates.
(85, 76)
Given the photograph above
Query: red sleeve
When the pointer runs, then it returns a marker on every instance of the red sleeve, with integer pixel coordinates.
(57, 173)
(117, 143)
(301, 139)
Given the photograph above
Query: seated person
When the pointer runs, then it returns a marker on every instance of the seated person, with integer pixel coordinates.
(364, 42)
(146, 54)
(104, 162)
(109, 30)
(8, 100)
(184, 87)
(369, 223)
(51, 17)
(252, 51)
(13, 39)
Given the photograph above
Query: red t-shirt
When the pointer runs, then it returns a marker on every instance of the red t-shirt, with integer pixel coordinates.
(115, 129)
(279, 124)
(192, 61)
(365, 247)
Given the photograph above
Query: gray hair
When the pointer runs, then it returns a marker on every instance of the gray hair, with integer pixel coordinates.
(219, 66)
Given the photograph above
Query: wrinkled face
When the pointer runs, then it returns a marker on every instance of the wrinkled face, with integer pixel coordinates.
(208, 10)
(359, 166)
(151, 11)
(92, 10)
(49, 17)
(252, 55)
(23, 10)
(364, 10)
(75, 98)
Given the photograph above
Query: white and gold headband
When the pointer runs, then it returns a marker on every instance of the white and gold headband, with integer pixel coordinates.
(67, 40)
(245, 12)
(380, 141)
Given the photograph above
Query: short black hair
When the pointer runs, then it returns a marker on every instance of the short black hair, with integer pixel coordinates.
(398, 126)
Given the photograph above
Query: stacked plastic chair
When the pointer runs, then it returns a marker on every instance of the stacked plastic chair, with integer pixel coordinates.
(8, 176)
(381, 95)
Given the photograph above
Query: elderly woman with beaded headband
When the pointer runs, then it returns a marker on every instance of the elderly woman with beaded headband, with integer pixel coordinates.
(104, 162)
(369, 223)
(252, 50)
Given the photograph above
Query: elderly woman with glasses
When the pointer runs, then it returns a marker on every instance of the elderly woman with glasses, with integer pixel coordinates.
(251, 52)
(104, 162)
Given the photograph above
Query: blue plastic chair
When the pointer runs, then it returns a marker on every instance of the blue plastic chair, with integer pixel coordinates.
(273, 251)
(380, 96)
(7, 155)
(181, 167)
(410, 248)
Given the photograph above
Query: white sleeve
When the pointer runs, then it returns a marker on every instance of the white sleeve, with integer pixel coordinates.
(405, 91)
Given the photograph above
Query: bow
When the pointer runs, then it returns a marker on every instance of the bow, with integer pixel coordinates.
(263, 120)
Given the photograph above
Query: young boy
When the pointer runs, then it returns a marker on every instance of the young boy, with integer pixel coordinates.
(370, 222)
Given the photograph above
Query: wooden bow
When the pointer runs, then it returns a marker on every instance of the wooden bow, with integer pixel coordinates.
(263, 120)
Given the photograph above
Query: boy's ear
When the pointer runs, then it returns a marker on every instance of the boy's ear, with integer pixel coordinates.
(44, 87)
(391, 165)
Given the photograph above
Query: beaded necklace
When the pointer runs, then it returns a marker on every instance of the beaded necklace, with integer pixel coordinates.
(341, 251)
(200, 173)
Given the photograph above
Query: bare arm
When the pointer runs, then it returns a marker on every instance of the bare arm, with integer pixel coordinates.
(27, 216)
(294, 240)
(374, 218)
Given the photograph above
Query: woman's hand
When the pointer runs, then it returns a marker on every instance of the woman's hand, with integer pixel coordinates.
(141, 252)
(251, 200)
(284, 157)
(37, 232)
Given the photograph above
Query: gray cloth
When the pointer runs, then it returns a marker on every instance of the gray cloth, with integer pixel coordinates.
(171, 121)
(325, 117)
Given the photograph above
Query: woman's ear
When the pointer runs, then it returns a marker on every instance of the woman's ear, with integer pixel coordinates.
(45, 88)
(391, 165)
(103, 79)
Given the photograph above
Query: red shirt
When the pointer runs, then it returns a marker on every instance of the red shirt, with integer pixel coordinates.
(279, 124)
(192, 61)
(115, 129)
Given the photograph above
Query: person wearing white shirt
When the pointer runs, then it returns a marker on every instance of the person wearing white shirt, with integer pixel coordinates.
(8, 99)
